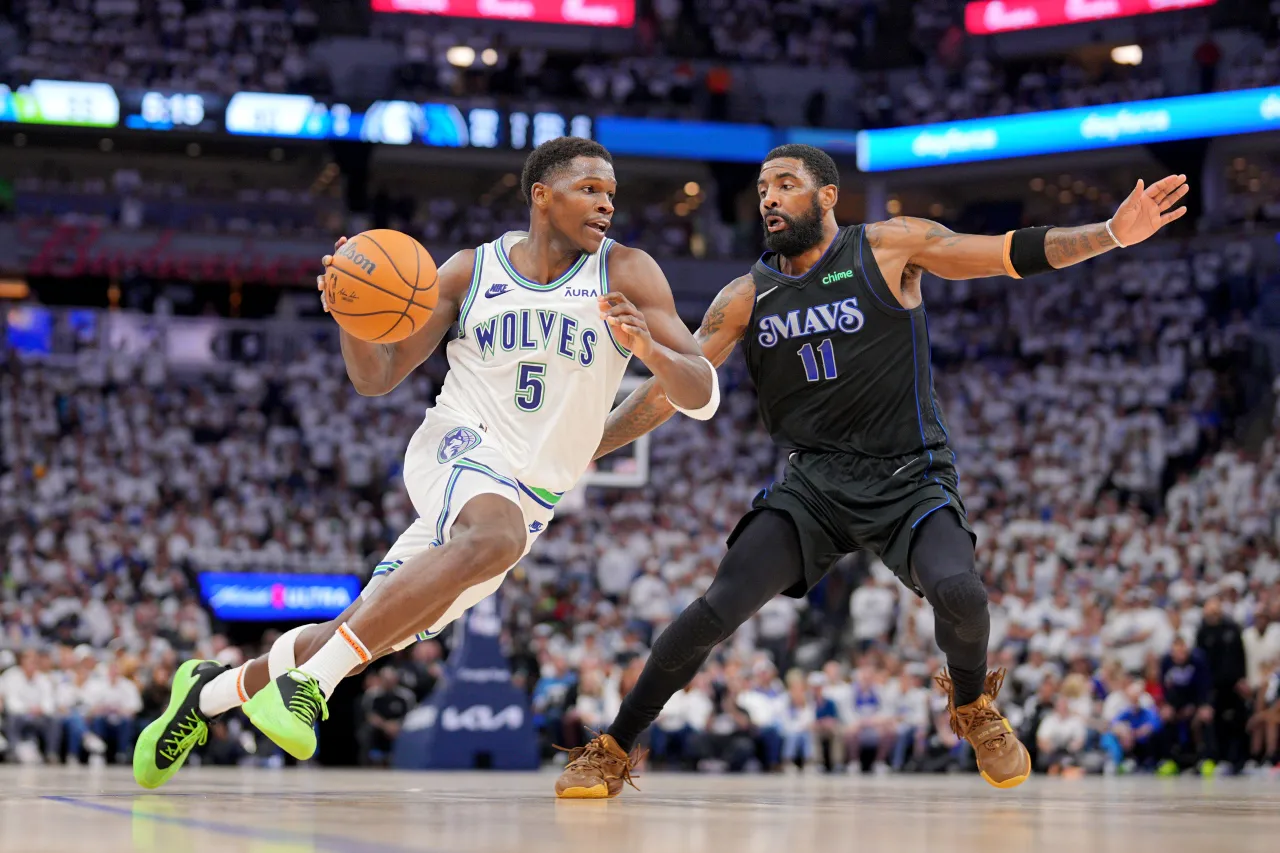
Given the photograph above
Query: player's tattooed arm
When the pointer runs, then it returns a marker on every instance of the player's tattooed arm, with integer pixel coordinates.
(647, 408)
(376, 369)
(906, 241)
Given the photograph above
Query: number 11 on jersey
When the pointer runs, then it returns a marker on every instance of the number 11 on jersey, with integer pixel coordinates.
(811, 363)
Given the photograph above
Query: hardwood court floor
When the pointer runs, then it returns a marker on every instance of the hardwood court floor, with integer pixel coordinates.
(297, 811)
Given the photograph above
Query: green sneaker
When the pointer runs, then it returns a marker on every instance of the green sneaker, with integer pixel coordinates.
(164, 745)
(1167, 768)
(286, 711)
(1208, 767)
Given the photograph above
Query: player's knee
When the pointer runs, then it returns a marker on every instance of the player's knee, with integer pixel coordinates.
(961, 599)
(693, 633)
(491, 550)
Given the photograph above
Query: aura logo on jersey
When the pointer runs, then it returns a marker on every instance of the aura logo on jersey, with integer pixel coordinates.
(533, 330)
(457, 442)
(843, 316)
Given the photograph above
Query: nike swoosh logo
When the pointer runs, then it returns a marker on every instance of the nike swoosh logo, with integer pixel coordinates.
(496, 290)
(903, 468)
(767, 292)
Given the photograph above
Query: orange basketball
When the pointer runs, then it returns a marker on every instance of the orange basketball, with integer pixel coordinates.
(381, 286)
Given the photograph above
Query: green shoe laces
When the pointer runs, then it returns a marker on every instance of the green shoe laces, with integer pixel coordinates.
(190, 732)
(307, 701)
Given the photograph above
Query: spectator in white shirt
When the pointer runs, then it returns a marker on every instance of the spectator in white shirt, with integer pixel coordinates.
(678, 732)
(872, 609)
(113, 702)
(911, 710)
(1261, 648)
(797, 722)
(30, 704)
(1061, 736)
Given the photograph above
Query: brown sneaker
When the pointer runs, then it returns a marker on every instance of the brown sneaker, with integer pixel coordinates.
(596, 771)
(1002, 759)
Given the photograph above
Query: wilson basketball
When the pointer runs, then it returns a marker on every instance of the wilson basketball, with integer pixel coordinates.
(381, 286)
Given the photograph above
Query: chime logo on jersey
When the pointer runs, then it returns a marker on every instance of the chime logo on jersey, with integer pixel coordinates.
(842, 316)
(531, 330)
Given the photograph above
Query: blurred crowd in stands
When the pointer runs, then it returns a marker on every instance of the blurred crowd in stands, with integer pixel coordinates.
(687, 57)
(1126, 525)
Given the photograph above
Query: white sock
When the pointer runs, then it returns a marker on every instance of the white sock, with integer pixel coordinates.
(282, 658)
(224, 692)
(343, 653)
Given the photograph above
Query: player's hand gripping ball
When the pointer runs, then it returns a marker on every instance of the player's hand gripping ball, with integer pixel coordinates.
(381, 285)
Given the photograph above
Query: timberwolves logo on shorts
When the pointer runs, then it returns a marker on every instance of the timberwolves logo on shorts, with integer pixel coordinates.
(457, 442)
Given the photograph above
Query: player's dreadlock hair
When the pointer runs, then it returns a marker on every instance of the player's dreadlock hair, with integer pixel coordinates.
(556, 154)
(816, 162)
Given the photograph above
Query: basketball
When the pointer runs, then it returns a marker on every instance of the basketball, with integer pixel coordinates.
(381, 286)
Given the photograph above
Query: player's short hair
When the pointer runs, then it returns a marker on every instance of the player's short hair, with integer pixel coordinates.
(816, 162)
(555, 154)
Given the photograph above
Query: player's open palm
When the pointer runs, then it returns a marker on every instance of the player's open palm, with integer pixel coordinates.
(320, 283)
(627, 324)
(1148, 209)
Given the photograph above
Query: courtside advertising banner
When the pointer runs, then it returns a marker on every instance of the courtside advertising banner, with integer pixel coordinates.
(583, 13)
(277, 597)
(1003, 16)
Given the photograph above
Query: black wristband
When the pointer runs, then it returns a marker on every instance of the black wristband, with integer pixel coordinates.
(1026, 251)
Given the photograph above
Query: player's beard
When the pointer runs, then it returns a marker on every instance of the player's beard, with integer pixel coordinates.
(801, 234)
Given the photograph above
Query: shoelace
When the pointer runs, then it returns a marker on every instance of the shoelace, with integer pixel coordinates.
(192, 731)
(307, 701)
(966, 720)
(594, 756)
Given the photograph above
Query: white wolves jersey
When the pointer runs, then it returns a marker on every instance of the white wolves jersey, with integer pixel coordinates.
(535, 364)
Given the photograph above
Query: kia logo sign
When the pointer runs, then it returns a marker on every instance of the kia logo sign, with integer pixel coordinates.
(587, 13)
(477, 718)
(1002, 16)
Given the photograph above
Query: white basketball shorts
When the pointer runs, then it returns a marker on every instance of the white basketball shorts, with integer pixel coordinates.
(449, 461)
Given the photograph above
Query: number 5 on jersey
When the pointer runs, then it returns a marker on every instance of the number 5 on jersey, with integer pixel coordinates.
(530, 386)
(811, 363)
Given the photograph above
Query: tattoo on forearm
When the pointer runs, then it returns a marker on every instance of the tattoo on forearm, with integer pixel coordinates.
(948, 237)
(643, 411)
(1066, 246)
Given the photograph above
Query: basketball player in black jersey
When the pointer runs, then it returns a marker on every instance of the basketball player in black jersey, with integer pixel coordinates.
(837, 344)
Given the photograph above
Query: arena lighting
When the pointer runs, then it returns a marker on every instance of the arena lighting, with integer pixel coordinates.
(489, 56)
(14, 288)
(461, 56)
(1128, 54)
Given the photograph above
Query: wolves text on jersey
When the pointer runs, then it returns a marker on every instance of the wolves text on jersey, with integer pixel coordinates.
(540, 329)
(842, 316)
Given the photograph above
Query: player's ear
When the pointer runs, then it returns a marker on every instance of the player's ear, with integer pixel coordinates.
(828, 196)
(539, 195)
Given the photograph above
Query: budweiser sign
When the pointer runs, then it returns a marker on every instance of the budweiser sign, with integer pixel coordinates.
(1002, 16)
(590, 13)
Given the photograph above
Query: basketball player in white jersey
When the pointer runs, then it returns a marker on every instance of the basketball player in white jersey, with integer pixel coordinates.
(547, 321)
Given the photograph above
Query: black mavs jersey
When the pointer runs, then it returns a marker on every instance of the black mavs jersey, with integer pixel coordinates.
(844, 383)
(837, 363)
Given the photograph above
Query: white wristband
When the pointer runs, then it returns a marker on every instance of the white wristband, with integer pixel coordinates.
(704, 412)
(1107, 225)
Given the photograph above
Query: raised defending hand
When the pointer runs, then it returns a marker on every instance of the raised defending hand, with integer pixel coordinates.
(627, 324)
(1148, 209)
(326, 261)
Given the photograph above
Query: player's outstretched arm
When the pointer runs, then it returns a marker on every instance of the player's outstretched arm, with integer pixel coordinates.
(647, 407)
(376, 369)
(907, 241)
(642, 317)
